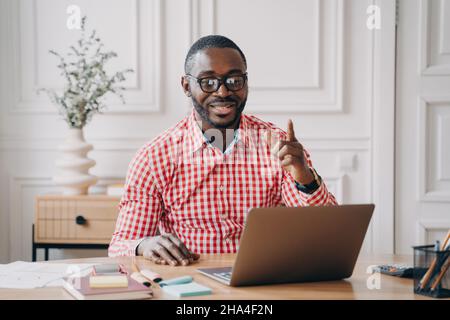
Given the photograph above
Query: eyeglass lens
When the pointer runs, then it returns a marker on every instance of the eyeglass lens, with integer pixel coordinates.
(233, 83)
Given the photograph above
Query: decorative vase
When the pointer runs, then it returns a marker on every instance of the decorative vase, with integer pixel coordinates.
(73, 165)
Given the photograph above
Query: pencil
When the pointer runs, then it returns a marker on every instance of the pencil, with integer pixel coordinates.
(446, 240)
(426, 278)
(441, 275)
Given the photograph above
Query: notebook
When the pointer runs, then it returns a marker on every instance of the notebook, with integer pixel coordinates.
(187, 290)
(80, 289)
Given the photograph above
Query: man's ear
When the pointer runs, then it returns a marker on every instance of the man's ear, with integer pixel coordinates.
(186, 86)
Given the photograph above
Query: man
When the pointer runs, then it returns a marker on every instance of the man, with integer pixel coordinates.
(198, 180)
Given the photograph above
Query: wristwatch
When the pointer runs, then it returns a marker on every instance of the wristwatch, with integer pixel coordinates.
(312, 186)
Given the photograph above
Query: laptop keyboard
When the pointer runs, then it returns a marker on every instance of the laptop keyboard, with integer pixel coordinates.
(223, 275)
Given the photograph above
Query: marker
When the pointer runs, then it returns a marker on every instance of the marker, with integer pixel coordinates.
(179, 280)
(141, 279)
(150, 275)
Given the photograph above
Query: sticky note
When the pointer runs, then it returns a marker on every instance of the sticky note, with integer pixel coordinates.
(108, 281)
(187, 290)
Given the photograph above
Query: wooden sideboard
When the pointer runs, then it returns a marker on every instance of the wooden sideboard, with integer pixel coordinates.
(84, 222)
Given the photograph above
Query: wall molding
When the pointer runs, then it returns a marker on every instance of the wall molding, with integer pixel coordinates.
(444, 48)
(42, 144)
(337, 184)
(423, 226)
(203, 20)
(18, 246)
(145, 97)
(425, 68)
(424, 103)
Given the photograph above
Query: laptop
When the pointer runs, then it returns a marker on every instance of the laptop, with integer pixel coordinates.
(300, 244)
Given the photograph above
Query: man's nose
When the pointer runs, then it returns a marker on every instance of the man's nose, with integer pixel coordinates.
(223, 91)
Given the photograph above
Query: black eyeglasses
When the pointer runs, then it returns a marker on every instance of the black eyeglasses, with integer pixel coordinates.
(212, 84)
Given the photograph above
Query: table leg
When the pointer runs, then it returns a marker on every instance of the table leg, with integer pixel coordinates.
(33, 245)
(34, 253)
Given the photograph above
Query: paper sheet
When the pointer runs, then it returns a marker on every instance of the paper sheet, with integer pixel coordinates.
(29, 275)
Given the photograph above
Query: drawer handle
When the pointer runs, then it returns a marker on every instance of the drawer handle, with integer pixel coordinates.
(80, 220)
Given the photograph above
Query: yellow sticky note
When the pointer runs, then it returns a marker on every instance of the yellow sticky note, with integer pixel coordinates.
(108, 281)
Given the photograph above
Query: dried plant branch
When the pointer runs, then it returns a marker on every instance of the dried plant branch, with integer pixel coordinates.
(86, 81)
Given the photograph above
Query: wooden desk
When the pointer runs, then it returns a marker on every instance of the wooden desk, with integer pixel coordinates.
(352, 288)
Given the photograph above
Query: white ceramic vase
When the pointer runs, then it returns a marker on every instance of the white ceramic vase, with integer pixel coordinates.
(73, 165)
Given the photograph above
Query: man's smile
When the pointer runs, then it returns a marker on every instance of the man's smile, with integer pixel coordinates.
(222, 108)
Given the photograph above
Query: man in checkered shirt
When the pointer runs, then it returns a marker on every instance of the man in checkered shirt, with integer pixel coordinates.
(189, 190)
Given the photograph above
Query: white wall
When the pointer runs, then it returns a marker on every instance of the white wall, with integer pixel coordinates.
(313, 61)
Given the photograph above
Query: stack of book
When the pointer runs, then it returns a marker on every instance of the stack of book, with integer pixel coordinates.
(82, 289)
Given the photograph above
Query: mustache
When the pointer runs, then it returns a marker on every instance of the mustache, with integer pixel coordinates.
(226, 99)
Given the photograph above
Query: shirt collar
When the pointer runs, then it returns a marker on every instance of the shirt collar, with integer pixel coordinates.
(198, 139)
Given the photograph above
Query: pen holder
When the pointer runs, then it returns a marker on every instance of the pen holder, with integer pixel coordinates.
(431, 271)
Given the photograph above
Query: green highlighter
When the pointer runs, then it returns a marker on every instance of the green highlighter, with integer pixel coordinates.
(174, 281)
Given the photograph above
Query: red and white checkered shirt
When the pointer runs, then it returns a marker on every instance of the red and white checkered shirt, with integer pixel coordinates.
(184, 185)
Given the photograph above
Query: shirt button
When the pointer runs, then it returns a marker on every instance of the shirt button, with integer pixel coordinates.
(221, 187)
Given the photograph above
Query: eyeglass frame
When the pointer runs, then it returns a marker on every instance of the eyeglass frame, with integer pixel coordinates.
(221, 81)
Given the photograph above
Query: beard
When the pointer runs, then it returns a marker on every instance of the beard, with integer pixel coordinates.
(205, 115)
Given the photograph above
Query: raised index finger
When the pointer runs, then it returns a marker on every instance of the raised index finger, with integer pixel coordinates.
(290, 131)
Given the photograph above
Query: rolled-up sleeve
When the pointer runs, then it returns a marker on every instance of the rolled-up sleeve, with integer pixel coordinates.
(140, 208)
(292, 197)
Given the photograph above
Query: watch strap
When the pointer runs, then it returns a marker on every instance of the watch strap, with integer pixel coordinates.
(312, 186)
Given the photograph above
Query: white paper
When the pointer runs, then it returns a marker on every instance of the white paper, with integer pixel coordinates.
(29, 275)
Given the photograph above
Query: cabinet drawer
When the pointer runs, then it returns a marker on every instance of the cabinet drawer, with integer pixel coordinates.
(81, 219)
(67, 231)
(70, 209)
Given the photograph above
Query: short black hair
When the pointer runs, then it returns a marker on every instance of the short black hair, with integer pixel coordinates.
(206, 42)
